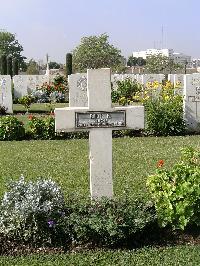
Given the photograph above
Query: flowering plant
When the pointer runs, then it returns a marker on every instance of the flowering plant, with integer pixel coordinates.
(164, 109)
(176, 192)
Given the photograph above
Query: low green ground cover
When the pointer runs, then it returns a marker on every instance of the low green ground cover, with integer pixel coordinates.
(37, 107)
(170, 256)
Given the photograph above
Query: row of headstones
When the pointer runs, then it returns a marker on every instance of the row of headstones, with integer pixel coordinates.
(25, 84)
(189, 86)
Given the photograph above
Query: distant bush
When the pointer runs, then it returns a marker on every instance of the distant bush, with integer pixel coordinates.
(164, 109)
(11, 128)
(42, 127)
(126, 91)
(26, 101)
(176, 192)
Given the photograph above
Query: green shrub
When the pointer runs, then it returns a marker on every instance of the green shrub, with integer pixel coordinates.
(126, 91)
(164, 111)
(110, 222)
(176, 192)
(42, 127)
(26, 101)
(29, 210)
(11, 128)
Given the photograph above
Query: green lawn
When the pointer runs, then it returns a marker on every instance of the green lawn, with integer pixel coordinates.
(37, 107)
(182, 255)
(66, 161)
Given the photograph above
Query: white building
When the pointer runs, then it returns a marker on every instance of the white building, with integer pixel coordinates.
(179, 58)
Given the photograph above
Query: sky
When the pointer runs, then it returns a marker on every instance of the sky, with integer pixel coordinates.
(56, 27)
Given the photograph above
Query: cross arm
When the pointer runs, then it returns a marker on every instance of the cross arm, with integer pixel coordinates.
(65, 118)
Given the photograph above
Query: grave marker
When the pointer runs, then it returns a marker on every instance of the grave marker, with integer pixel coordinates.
(99, 118)
(5, 93)
(191, 103)
(78, 90)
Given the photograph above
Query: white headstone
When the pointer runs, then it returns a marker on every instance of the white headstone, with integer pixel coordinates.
(178, 83)
(171, 78)
(151, 78)
(191, 104)
(78, 90)
(99, 118)
(26, 84)
(6, 93)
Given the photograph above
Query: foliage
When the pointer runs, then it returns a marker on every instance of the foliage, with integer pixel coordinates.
(136, 61)
(26, 101)
(11, 128)
(54, 92)
(176, 192)
(109, 222)
(96, 52)
(126, 91)
(164, 109)
(35, 213)
(68, 64)
(2, 110)
(3, 66)
(159, 64)
(10, 46)
(28, 211)
(9, 66)
(54, 65)
(32, 67)
(42, 128)
(15, 67)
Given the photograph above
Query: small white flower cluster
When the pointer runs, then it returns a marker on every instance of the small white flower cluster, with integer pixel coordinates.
(25, 202)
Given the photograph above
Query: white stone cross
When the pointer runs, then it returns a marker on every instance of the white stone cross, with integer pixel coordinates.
(99, 118)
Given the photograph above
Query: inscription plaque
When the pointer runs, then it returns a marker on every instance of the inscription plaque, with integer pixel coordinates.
(100, 119)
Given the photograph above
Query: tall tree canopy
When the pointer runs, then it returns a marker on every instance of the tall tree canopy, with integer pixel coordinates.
(11, 47)
(96, 52)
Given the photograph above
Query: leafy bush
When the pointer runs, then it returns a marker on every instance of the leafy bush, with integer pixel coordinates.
(126, 91)
(26, 101)
(42, 127)
(29, 210)
(164, 110)
(110, 222)
(11, 128)
(176, 192)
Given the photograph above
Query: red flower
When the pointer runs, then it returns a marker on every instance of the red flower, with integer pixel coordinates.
(160, 163)
(30, 117)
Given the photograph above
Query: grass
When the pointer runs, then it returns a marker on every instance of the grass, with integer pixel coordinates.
(38, 107)
(181, 255)
(66, 161)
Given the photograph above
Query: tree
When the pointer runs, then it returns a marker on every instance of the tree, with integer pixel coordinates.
(9, 46)
(135, 61)
(32, 67)
(54, 65)
(159, 63)
(96, 52)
